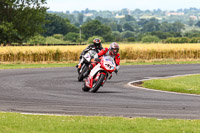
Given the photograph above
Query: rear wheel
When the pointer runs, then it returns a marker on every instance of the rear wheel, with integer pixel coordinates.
(97, 85)
(80, 77)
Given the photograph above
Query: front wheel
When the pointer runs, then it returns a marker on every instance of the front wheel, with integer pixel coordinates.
(98, 83)
(85, 88)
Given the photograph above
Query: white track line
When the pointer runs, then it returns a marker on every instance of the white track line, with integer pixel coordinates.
(150, 78)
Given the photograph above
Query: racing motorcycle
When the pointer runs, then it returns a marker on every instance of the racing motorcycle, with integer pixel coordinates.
(85, 62)
(99, 74)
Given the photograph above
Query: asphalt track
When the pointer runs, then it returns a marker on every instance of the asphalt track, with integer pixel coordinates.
(57, 91)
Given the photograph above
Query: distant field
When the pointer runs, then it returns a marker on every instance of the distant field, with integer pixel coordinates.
(128, 52)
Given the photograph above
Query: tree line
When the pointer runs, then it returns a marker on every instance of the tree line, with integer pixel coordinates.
(27, 21)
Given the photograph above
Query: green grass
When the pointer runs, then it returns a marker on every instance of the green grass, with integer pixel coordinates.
(49, 65)
(159, 62)
(21, 66)
(183, 84)
(19, 123)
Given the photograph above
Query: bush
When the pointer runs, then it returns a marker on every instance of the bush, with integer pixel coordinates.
(150, 38)
(90, 40)
(52, 40)
(127, 34)
(38, 39)
(117, 36)
(131, 39)
(181, 40)
(184, 40)
(58, 36)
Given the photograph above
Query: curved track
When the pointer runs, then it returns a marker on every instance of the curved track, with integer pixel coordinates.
(57, 91)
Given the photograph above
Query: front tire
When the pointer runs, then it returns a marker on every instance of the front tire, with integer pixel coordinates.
(85, 88)
(98, 84)
(80, 77)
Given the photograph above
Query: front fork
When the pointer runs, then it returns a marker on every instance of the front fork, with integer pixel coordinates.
(98, 75)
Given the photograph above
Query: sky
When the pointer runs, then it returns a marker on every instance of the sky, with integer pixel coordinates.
(115, 5)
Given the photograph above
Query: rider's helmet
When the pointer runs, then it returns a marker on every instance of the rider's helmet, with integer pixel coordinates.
(97, 43)
(114, 48)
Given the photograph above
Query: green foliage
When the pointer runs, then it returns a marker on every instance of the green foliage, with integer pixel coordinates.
(127, 34)
(198, 24)
(162, 35)
(128, 27)
(58, 36)
(117, 36)
(131, 39)
(74, 37)
(192, 33)
(23, 19)
(90, 40)
(150, 39)
(58, 25)
(96, 28)
(38, 39)
(151, 25)
(182, 40)
(53, 40)
(7, 33)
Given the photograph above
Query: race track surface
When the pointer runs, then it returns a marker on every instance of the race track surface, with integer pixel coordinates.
(57, 91)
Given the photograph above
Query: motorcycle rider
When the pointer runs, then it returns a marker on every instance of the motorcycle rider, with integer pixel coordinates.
(97, 46)
(111, 51)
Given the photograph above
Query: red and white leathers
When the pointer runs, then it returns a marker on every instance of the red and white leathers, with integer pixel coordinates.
(107, 52)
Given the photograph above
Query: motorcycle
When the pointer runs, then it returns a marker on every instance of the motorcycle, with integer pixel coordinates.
(85, 62)
(99, 74)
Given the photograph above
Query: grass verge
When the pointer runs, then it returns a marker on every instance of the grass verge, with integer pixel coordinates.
(20, 123)
(183, 84)
(73, 64)
(50, 65)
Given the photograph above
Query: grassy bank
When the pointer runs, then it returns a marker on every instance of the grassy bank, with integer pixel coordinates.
(19, 123)
(183, 84)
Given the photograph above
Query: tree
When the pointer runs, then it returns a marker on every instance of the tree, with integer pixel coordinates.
(178, 26)
(198, 24)
(149, 39)
(7, 33)
(26, 18)
(96, 28)
(58, 25)
(151, 25)
(73, 37)
(38, 39)
(127, 34)
(127, 27)
(166, 27)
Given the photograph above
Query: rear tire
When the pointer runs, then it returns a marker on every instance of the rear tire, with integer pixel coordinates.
(98, 84)
(80, 77)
